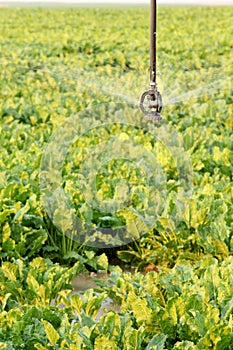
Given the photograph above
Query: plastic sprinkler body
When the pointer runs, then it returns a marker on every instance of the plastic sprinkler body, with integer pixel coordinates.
(151, 100)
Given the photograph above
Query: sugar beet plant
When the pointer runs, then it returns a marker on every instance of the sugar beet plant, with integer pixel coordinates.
(76, 75)
(185, 308)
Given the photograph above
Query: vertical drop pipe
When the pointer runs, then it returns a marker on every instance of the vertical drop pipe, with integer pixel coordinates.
(153, 28)
(151, 101)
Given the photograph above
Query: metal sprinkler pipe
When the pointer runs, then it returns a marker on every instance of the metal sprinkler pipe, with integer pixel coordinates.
(153, 25)
(151, 100)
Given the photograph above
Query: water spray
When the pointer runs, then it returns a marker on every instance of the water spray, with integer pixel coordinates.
(151, 100)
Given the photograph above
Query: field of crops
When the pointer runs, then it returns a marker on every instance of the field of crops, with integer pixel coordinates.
(88, 184)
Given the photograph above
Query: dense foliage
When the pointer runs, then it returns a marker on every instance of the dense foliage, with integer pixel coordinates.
(56, 63)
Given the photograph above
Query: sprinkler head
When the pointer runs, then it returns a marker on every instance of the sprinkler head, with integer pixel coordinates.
(151, 104)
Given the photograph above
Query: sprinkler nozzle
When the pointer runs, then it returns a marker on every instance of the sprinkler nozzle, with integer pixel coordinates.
(151, 104)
